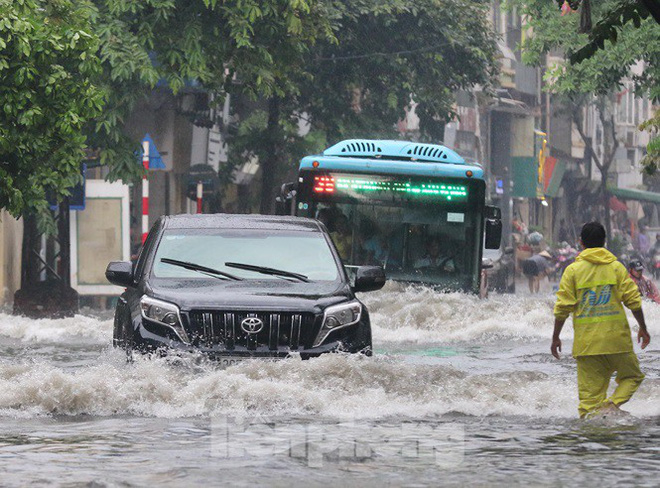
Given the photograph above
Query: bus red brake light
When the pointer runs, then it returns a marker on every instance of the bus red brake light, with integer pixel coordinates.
(324, 184)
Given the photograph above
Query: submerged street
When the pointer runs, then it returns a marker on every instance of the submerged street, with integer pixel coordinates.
(246, 210)
(459, 390)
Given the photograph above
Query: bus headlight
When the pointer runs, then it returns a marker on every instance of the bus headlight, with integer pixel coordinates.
(338, 316)
(164, 313)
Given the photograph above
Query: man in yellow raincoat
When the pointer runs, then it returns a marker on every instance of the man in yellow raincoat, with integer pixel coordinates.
(594, 289)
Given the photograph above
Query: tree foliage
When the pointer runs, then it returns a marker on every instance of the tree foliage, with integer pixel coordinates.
(383, 56)
(390, 53)
(235, 46)
(651, 161)
(48, 65)
(346, 67)
(602, 72)
(610, 23)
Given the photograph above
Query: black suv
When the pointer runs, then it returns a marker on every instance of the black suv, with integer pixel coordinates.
(239, 286)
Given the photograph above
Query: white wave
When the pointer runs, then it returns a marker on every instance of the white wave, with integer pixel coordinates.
(78, 329)
(333, 386)
(399, 314)
(421, 315)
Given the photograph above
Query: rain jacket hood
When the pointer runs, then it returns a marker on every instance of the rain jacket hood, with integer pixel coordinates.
(594, 289)
(596, 255)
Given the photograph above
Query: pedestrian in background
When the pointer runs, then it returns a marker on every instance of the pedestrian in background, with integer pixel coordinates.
(535, 268)
(594, 289)
(645, 285)
(643, 242)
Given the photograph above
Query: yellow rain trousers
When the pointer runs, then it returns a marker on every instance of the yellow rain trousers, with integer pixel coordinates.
(594, 289)
(594, 373)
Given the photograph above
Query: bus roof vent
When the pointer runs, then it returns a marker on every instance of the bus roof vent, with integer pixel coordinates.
(405, 150)
(355, 147)
(431, 152)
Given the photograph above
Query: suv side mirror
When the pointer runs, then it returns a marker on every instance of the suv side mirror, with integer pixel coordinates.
(487, 263)
(509, 250)
(369, 278)
(120, 273)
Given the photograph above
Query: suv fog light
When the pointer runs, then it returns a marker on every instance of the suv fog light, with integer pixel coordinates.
(164, 313)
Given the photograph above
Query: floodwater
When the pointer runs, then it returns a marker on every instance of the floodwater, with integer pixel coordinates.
(459, 391)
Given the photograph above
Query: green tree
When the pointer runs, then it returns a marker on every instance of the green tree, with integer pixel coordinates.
(651, 161)
(48, 67)
(597, 78)
(391, 54)
(609, 27)
(609, 23)
(384, 56)
(245, 47)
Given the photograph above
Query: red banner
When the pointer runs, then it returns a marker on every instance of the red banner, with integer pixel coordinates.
(548, 170)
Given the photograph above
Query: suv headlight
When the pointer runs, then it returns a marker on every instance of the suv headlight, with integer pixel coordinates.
(164, 313)
(338, 316)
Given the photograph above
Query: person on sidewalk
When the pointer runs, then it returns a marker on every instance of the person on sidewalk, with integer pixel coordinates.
(594, 289)
(645, 285)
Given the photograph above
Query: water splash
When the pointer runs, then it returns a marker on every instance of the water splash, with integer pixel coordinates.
(420, 315)
(331, 386)
(78, 329)
(508, 372)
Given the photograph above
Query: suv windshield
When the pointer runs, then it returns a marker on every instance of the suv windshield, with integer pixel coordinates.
(301, 252)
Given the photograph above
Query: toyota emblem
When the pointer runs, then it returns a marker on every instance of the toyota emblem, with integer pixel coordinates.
(252, 325)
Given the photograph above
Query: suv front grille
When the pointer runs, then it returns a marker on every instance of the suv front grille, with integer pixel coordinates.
(280, 329)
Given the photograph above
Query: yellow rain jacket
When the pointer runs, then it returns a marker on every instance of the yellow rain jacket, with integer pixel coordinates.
(593, 289)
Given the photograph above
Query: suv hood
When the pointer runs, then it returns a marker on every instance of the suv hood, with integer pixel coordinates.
(250, 294)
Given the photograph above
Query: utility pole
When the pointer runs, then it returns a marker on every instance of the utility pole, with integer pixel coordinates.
(507, 205)
(145, 190)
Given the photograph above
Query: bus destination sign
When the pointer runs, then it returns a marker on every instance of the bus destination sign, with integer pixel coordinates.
(388, 187)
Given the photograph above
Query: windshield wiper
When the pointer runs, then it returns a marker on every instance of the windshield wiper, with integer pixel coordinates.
(268, 271)
(201, 269)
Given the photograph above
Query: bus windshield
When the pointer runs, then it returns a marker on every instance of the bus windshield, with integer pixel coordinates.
(420, 243)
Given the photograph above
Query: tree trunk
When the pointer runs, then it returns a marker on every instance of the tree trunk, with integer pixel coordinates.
(52, 297)
(270, 161)
(610, 145)
(64, 237)
(29, 269)
(606, 203)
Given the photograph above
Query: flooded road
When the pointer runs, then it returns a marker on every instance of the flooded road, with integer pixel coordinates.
(459, 391)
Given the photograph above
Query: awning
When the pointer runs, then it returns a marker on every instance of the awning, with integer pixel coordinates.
(639, 195)
(617, 205)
